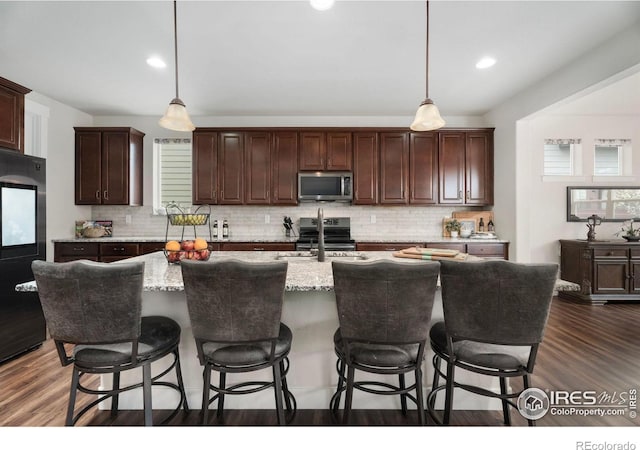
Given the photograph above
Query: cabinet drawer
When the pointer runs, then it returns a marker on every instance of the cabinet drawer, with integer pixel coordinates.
(258, 246)
(77, 249)
(635, 253)
(447, 246)
(385, 247)
(610, 252)
(118, 249)
(150, 247)
(486, 250)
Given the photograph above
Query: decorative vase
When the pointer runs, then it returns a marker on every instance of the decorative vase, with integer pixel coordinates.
(632, 238)
(454, 234)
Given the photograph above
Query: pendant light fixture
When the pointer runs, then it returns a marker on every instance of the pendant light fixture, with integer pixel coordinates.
(427, 117)
(176, 118)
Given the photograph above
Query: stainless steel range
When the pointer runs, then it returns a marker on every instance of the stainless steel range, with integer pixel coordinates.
(337, 234)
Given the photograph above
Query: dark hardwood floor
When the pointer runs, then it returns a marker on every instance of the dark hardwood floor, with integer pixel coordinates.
(586, 348)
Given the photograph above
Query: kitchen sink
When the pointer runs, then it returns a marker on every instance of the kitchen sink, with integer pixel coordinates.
(328, 256)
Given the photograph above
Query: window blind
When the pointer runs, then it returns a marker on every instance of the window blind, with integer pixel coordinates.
(175, 170)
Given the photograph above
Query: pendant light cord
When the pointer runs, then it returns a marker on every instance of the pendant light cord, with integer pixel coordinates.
(427, 55)
(175, 42)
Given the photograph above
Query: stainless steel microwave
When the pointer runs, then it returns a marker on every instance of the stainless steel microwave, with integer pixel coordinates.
(325, 186)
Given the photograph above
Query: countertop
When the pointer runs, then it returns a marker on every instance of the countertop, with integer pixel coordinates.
(283, 239)
(305, 275)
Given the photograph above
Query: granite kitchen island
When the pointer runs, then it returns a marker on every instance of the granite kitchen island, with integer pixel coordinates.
(309, 310)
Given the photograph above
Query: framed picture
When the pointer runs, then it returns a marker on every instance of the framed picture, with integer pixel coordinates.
(468, 224)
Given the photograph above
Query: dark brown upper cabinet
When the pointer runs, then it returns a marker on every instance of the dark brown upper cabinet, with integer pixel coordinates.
(258, 168)
(394, 168)
(271, 168)
(325, 151)
(12, 115)
(205, 168)
(365, 168)
(284, 162)
(466, 167)
(423, 168)
(266, 174)
(231, 168)
(108, 166)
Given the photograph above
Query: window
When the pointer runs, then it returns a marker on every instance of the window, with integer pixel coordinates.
(609, 156)
(559, 156)
(172, 169)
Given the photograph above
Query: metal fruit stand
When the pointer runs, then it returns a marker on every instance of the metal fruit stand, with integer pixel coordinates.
(176, 216)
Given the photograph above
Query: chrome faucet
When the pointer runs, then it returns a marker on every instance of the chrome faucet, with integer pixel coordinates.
(320, 227)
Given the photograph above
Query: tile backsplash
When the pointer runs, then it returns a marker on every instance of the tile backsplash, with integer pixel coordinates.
(375, 223)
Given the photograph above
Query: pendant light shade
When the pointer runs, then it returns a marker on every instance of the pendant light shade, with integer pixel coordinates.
(176, 118)
(428, 116)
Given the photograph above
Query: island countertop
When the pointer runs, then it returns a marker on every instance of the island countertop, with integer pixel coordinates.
(302, 276)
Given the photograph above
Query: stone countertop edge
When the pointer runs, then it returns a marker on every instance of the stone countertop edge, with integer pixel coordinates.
(280, 240)
(307, 276)
(106, 240)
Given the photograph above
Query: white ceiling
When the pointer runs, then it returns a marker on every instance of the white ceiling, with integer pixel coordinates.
(282, 58)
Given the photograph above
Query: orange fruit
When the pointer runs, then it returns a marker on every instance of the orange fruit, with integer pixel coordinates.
(200, 244)
(172, 246)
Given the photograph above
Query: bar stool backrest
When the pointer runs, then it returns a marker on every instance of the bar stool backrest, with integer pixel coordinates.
(385, 301)
(497, 302)
(86, 302)
(234, 301)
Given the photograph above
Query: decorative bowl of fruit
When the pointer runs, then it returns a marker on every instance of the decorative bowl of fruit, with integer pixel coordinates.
(197, 249)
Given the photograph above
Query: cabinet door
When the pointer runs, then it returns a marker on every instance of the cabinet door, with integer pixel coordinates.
(423, 168)
(312, 150)
(258, 168)
(610, 276)
(479, 168)
(339, 151)
(394, 168)
(115, 168)
(365, 168)
(451, 167)
(88, 170)
(150, 247)
(204, 157)
(285, 168)
(11, 119)
(231, 168)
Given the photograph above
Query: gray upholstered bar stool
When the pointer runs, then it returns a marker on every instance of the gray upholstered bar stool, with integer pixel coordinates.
(235, 309)
(384, 312)
(495, 314)
(97, 308)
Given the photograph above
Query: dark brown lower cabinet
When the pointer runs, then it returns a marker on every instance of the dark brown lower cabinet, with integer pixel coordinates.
(605, 270)
(486, 250)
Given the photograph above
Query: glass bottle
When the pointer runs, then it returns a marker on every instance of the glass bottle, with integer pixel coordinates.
(490, 226)
(481, 226)
(215, 229)
(225, 229)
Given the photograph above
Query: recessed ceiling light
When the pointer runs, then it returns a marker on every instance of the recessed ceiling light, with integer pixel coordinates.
(485, 63)
(322, 5)
(156, 62)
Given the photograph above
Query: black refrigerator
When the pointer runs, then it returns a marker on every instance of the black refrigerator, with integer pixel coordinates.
(22, 240)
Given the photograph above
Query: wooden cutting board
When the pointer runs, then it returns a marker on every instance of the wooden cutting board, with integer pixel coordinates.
(431, 251)
(458, 257)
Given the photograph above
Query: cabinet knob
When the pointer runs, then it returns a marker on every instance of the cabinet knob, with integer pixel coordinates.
(98, 194)
(468, 195)
(106, 195)
(459, 194)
